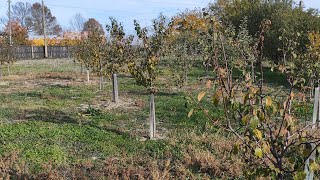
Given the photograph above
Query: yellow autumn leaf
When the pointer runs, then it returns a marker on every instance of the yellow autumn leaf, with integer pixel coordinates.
(258, 134)
(314, 166)
(190, 113)
(209, 84)
(216, 99)
(266, 147)
(245, 119)
(201, 95)
(268, 101)
(258, 152)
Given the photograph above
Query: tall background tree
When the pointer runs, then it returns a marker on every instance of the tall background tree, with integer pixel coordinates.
(93, 25)
(21, 12)
(19, 33)
(286, 16)
(35, 21)
(77, 22)
(184, 42)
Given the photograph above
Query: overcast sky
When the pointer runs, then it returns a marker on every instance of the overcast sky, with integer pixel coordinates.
(123, 10)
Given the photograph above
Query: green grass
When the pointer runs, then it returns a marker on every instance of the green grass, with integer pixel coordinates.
(44, 66)
(47, 122)
(40, 142)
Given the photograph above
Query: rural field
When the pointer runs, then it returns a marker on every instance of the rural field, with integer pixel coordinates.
(54, 123)
(230, 90)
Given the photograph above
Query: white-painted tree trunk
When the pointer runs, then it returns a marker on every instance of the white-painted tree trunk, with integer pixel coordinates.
(0, 71)
(88, 75)
(101, 82)
(152, 117)
(115, 91)
(8, 67)
(315, 118)
(315, 108)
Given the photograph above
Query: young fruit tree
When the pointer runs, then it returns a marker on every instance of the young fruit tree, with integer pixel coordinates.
(119, 53)
(91, 52)
(271, 136)
(6, 57)
(184, 43)
(145, 71)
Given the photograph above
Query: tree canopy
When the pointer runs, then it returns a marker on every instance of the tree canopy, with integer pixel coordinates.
(19, 33)
(35, 21)
(286, 18)
(92, 25)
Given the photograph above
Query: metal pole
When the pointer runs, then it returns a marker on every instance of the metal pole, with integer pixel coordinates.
(44, 31)
(10, 28)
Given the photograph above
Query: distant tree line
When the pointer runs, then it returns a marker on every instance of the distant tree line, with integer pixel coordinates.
(286, 16)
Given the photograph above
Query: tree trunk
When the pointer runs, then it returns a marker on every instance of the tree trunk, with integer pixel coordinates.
(8, 67)
(280, 176)
(81, 70)
(152, 117)
(316, 107)
(309, 172)
(252, 72)
(0, 71)
(74, 65)
(88, 75)
(101, 82)
(316, 117)
(185, 77)
(207, 70)
(115, 92)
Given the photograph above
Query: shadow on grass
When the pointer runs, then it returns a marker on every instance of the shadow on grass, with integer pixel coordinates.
(49, 115)
(59, 86)
(33, 94)
(147, 93)
(60, 117)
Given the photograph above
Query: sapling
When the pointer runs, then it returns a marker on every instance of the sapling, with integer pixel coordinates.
(271, 138)
(120, 53)
(146, 70)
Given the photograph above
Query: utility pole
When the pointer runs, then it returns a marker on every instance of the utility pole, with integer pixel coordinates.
(44, 31)
(10, 29)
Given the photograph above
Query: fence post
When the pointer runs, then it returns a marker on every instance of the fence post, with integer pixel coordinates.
(315, 118)
(32, 53)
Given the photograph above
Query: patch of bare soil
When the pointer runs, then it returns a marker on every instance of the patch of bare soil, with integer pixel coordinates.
(31, 81)
(105, 103)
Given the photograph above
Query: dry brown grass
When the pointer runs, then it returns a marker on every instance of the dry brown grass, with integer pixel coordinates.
(215, 161)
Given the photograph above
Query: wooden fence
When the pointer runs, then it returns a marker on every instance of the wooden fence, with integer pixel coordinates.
(37, 52)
